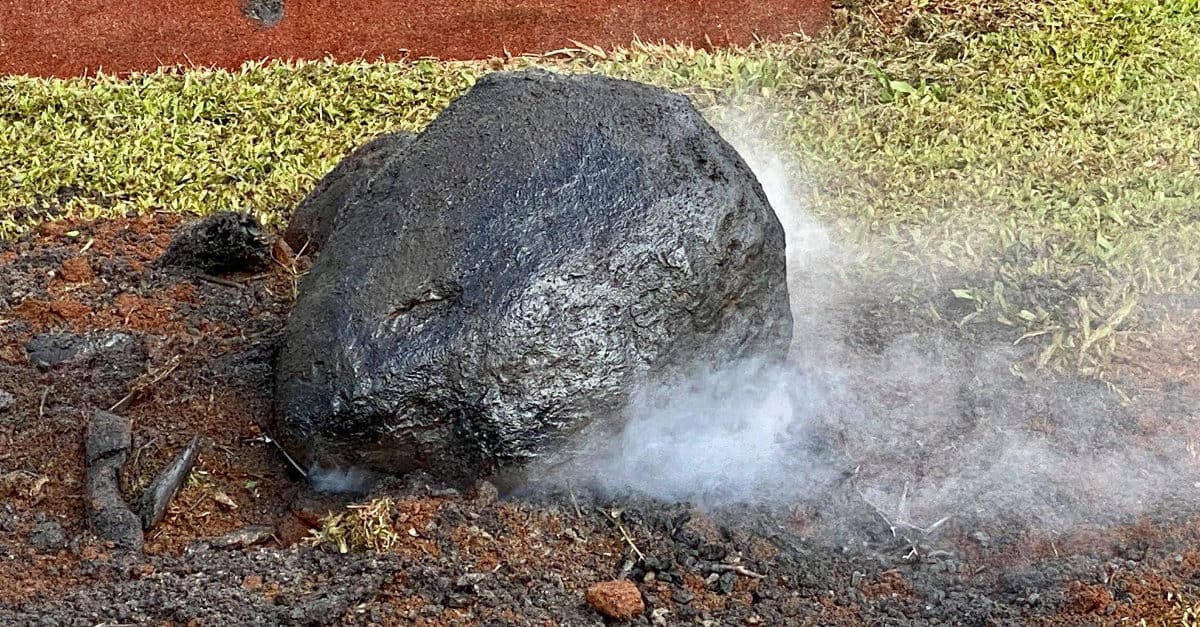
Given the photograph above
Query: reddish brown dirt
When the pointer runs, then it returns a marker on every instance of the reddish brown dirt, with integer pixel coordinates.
(84, 36)
(98, 277)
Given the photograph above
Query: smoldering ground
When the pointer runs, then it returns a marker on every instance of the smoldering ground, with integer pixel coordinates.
(925, 420)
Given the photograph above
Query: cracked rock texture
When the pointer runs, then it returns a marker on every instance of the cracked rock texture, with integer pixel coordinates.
(507, 278)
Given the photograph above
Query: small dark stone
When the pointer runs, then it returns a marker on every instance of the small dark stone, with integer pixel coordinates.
(48, 537)
(48, 350)
(726, 582)
(679, 595)
(245, 537)
(8, 518)
(223, 242)
(266, 12)
(713, 552)
(153, 504)
(106, 444)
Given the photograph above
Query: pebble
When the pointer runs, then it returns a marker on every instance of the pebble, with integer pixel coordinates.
(619, 600)
(48, 536)
(6, 401)
(682, 596)
(726, 583)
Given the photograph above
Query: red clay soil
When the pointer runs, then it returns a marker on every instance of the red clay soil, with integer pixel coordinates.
(85, 36)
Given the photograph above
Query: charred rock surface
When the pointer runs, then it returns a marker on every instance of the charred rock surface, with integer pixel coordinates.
(547, 244)
(223, 242)
(316, 216)
(107, 443)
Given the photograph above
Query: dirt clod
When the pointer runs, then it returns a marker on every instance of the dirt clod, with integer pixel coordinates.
(616, 599)
(77, 270)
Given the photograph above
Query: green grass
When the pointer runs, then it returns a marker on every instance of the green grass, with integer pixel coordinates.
(1039, 162)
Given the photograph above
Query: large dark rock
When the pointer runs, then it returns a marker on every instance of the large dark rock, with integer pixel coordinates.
(315, 217)
(507, 278)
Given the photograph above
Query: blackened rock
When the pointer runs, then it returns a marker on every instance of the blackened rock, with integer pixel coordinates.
(106, 444)
(546, 245)
(228, 241)
(154, 501)
(316, 216)
(47, 350)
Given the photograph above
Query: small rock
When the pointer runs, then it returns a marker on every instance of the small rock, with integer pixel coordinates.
(468, 581)
(48, 537)
(8, 518)
(484, 493)
(620, 600)
(106, 443)
(682, 596)
(223, 242)
(252, 583)
(713, 552)
(726, 583)
(6, 401)
(267, 13)
(51, 349)
(153, 504)
(242, 538)
(659, 616)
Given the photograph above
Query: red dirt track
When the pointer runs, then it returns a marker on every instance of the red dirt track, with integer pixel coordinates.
(73, 37)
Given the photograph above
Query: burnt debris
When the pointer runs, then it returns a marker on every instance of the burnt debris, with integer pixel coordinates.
(228, 241)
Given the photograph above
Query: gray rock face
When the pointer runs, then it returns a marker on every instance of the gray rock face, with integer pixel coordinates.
(506, 279)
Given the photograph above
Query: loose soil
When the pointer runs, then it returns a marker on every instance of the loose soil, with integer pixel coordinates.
(85, 36)
(201, 365)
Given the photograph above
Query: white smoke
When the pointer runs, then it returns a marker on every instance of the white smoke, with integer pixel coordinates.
(929, 427)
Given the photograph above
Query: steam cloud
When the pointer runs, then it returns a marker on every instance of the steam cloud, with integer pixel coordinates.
(931, 424)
